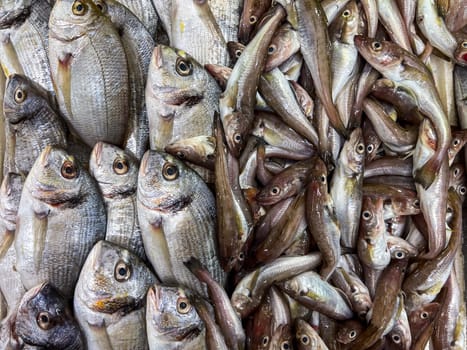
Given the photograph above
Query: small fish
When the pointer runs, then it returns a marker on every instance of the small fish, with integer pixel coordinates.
(307, 337)
(109, 298)
(172, 321)
(44, 319)
(199, 150)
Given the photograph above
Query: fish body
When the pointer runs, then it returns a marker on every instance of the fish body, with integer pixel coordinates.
(176, 212)
(61, 216)
(89, 70)
(109, 298)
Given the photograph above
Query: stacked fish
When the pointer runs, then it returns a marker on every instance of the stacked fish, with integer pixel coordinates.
(194, 174)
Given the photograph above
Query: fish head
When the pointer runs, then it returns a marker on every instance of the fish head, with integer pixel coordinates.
(420, 317)
(348, 331)
(170, 314)
(23, 98)
(307, 337)
(372, 219)
(165, 183)
(382, 55)
(347, 24)
(236, 128)
(115, 170)
(353, 152)
(57, 178)
(198, 149)
(457, 179)
(283, 45)
(115, 280)
(176, 78)
(45, 319)
(460, 53)
(72, 19)
(235, 50)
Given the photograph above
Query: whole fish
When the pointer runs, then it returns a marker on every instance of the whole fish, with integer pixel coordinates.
(172, 321)
(116, 173)
(109, 298)
(138, 44)
(24, 40)
(176, 212)
(45, 319)
(181, 98)
(61, 215)
(32, 123)
(89, 70)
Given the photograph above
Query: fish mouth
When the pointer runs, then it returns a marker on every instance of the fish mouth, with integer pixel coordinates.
(174, 96)
(166, 205)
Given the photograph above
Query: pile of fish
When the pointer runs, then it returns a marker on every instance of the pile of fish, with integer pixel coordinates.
(242, 174)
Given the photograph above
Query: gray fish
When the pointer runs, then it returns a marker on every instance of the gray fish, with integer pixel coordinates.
(89, 70)
(60, 217)
(32, 123)
(176, 213)
(116, 173)
(109, 298)
(45, 319)
(172, 321)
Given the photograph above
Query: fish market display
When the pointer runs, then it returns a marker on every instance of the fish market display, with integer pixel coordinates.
(233, 175)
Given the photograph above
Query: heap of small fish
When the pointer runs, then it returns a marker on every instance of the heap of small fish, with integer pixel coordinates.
(211, 174)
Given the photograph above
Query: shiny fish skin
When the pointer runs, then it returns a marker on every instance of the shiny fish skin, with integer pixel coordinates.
(172, 321)
(176, 212)
(145, 11)
(109, 298)
(116, 173)
(60, 210)
(32, 123)
(44, 319)
(89, 71)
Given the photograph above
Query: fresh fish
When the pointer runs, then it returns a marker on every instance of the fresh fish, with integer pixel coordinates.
(32, 123)
(199, 150)
(89, 70)
(116, 173)
(61, 215)
(181, 97)
(176, 212)
(348, 331)
(346, 187)
(138, 44)
(24, 40)
(172, 321)
(45, 319)
(284, 45)
(307, 337)
(214, 337)
(281, 331)
(391, 18)
(309, 289)
(145, 11)
(400, 338)
(109, 298)
(252, 12)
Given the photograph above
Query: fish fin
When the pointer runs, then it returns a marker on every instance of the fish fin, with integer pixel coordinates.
(5, 243)
(64, 80)
(427, 173)
(39, 223)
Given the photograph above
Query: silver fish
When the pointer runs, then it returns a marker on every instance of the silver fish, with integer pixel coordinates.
(60, 217)
(89, 70)
(116, 173)
(176, 212)
(109, 298)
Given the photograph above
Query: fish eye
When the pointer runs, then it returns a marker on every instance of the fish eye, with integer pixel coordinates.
(275, 190)
(400, 255)
(265, 341)
(183, 67)
(44, 320)
(183, 305)
(456, 142)
(20, 95)
(456, 172)
(79, 8)
(237, 138)
(396, 338)
(272, 49)
(241, 256)
(464, 44)
(346, 13)
(122, 271)
(120, 166)
(285, 345)
(462, 190)
(253, 19)
(376, 46)
(323, 179)
(305, 339)
(180, 155)
(366, 215)
(370, 148)
(170, 171)
(416, 203)
(69, 170)
(424, 315)
(352, 334)
(360, 148)
(238, 53)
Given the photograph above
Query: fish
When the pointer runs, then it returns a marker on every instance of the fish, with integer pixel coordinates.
(109, 298)
(176, 212)
(172, 321)
(32, 123)
(116, 173)
(89, 69)
(61, 216)
(283, 46)
(45, 319)
(307, 337)
(252, 12)
(145, 11)
(199, 150)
